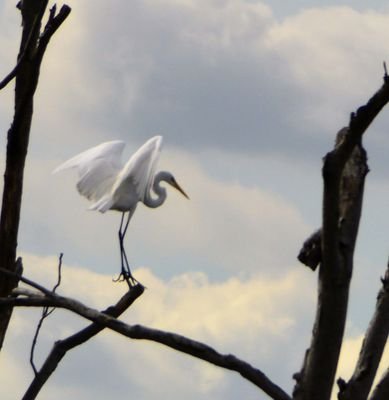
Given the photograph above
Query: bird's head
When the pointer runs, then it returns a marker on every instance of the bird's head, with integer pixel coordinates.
(172, 182)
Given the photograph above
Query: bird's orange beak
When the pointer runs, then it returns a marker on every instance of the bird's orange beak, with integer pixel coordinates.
(180, 189)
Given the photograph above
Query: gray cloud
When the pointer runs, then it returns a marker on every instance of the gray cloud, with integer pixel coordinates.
(208, 75)
(205, 78)
(211, 75)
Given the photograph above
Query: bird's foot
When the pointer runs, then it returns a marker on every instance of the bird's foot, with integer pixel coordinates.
(126, 276)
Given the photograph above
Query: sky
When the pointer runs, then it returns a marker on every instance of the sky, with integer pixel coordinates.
(248, 96)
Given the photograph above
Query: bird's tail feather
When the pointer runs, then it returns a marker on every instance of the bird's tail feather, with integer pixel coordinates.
(103, 204)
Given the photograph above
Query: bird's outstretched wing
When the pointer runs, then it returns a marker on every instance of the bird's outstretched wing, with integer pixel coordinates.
(140, 168)
(97, 168)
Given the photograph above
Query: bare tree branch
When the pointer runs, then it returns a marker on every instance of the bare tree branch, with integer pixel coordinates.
(359, 386)
(22, 54)
(381, 391)
(344, 172)
(26, 79)
(172, 340)
(27, 281)
(53, 23)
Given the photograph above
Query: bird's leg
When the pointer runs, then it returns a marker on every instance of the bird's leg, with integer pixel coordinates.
(123, 250)
(125, 273)
(127, 222)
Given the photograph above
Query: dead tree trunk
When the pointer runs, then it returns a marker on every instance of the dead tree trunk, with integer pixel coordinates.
(344, 173)
(26, 74)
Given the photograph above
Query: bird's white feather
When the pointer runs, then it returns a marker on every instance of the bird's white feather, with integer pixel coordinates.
(140, 168)
(97, 168)
(103, 204)
(110, 185)
(109, 151)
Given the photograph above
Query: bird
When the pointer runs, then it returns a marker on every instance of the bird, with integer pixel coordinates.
(111, 185)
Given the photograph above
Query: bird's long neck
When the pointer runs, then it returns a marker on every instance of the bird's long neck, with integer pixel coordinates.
(149, 201)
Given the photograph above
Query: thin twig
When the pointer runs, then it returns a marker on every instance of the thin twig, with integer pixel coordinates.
(58, 279)
(46, 311)
(35, 339)
(27, 281)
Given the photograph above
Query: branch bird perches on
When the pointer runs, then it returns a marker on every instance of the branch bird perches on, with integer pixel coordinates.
(101, 320)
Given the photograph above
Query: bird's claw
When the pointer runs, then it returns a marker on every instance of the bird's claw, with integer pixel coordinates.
(126, 276)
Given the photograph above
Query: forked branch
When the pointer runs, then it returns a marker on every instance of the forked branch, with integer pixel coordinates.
(46, 312)
(61, 347)
(344, 172)
(103, 320)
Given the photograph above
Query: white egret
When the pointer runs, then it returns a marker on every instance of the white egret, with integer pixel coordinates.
(110, 185)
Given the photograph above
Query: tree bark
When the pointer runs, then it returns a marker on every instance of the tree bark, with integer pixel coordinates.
(381, 391)
(359, 386)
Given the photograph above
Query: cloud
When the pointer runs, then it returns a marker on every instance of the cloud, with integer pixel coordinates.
(201, 71)
(246, 102)
(233, 316)
(208, 75)
(345, 61)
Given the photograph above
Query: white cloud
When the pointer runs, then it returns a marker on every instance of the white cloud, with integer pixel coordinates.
(337, 68)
